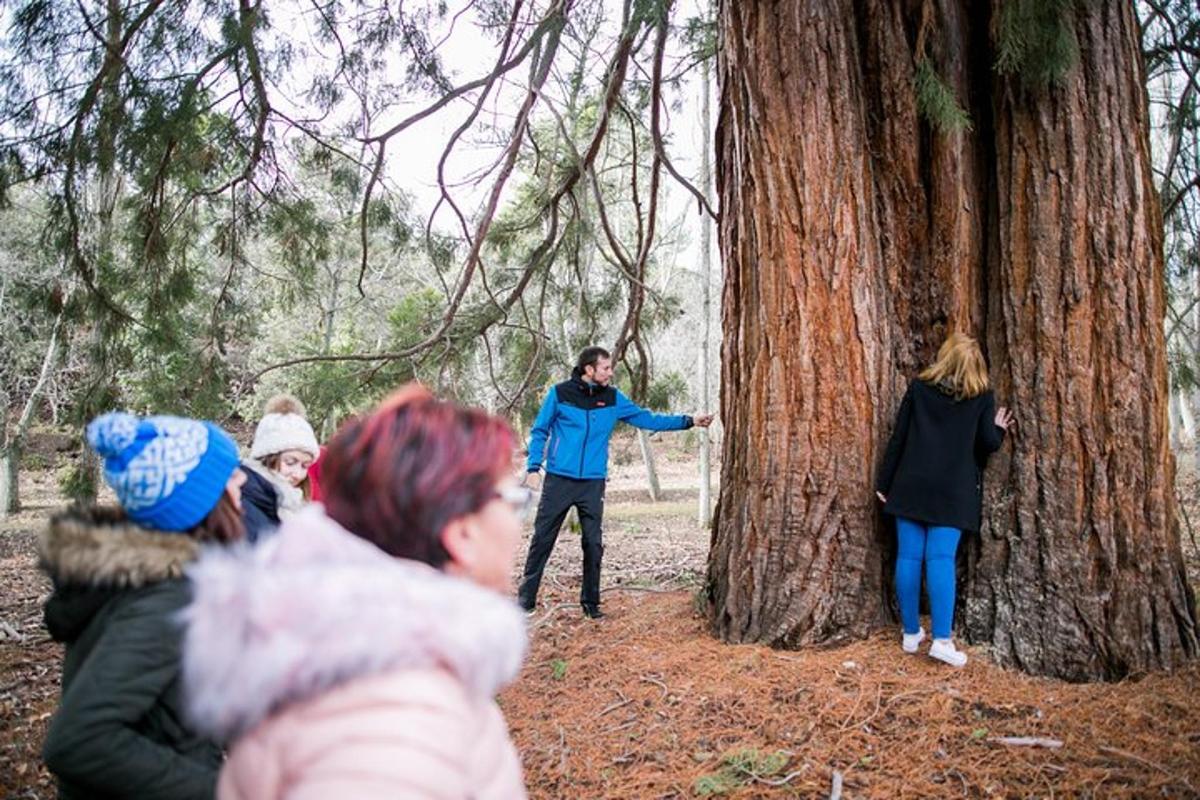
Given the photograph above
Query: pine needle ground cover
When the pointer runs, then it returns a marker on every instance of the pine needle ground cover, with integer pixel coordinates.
(645, 704)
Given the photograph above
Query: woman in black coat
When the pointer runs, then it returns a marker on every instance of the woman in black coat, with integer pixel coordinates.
(931, 481)
(119, 586)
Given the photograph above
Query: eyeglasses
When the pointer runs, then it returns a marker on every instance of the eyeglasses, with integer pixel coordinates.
(519, 498)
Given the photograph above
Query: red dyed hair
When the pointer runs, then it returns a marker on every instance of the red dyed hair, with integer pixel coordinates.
(398, 476)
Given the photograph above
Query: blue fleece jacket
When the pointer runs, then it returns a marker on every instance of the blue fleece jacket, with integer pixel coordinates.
(570, 435)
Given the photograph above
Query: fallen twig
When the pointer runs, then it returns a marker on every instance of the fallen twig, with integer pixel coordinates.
(786, 779)
(549, 613)
(1113, 751)
(622, 727)
(1026, 741)
(655, 589)
(835, 792)
(624, 701)
(665, 691)
(9, 632)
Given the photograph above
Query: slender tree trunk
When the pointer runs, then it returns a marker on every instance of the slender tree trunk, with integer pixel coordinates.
(1187, 422)
(1193, 407)
(1175, 410)
(647, 449)
(1194, 395)
(14, 438)
(704, 517)
(107, 192)
(10, 499)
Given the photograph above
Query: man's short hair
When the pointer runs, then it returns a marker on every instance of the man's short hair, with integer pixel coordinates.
(590, 355)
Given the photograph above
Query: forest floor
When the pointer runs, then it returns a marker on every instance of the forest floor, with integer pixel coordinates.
(645, 704)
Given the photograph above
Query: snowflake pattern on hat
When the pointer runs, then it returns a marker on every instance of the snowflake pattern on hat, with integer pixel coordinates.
(171, 454)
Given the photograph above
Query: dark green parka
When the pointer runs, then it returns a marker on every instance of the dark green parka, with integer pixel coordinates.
(120, 730)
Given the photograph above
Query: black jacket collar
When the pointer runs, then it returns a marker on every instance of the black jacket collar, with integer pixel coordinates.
(588, 389)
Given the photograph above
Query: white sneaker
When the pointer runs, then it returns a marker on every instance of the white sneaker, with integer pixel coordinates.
(912, 641)
(943, 650)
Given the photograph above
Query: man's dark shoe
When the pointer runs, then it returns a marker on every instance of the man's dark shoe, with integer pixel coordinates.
(593, 612)
(529, 610)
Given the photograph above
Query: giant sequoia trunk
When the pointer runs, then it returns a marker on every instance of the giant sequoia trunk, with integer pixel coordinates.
(805, 361)
(854, 238)
(1080, 531)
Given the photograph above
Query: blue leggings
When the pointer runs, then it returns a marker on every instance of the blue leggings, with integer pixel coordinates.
(935, 546)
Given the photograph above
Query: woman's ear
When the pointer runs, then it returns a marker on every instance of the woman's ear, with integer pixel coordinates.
(233, 488)
(458, 537)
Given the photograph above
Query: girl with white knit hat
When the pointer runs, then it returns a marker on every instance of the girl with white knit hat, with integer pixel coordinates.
(283, 449)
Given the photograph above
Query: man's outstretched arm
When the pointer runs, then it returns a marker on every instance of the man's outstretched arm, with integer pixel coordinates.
(635, 415)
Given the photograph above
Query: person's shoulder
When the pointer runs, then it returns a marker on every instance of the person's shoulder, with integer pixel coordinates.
(151, 607)
(985, 397)
(917, 386)
(564, 392)
(256, 483)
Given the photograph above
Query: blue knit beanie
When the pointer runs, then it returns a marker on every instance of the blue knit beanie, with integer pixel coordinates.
(168, 472)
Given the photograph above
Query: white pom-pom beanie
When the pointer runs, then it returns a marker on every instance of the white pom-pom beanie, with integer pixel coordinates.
(282, 428)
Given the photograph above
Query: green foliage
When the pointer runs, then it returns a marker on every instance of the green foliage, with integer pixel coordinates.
(558, 669)
(1181, 366)
(78, 482)
(716, 784)
(738, 767)
(936, 101)
(666, 392)
(1035, 40)
(412, 319)
(178, 381)
(750, 761)
(214, 242)
(700, 33)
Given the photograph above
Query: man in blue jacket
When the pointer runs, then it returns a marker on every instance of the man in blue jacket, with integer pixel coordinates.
(570, 441)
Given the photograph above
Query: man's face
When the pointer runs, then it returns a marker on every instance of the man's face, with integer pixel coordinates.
(600, 372)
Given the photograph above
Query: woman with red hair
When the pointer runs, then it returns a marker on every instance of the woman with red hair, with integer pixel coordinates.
(357, 653)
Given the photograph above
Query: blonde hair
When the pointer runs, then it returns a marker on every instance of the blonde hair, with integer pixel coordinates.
(959, 366)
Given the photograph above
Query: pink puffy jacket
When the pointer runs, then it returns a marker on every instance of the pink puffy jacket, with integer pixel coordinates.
(340, 672)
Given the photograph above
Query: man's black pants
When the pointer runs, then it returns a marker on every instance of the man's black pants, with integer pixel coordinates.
(558, 495)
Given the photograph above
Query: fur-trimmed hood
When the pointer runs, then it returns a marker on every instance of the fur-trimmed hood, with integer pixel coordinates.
(315, 607)
(93, 553)
(99, 547)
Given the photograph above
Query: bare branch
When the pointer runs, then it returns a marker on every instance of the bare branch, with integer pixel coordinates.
(554, 18)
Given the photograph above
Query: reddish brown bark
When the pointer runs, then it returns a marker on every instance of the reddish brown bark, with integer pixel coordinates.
(853, 238)
(805, 353)
(1079, 571)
